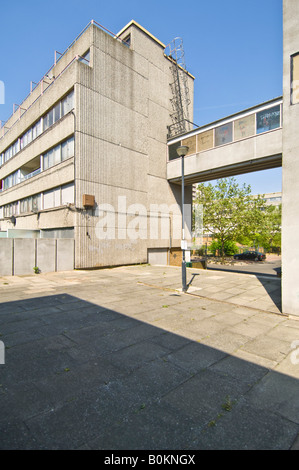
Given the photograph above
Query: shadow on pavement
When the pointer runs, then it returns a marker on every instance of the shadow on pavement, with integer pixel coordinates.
(274, 292)
(81, 376)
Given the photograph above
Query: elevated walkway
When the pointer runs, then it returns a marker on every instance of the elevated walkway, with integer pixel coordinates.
(244, 142)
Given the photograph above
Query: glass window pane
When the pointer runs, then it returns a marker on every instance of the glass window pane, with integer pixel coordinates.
(45, 161)
(57, 112)
(56, 155)
(268, 119)
(51, 117)
(85, 58)
(223, 134)
(48, 200)
(64, 150)
(67, 194)
(50, 158)
(67, 149)
(67, 103)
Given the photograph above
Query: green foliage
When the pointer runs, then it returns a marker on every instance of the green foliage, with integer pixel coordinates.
(229, 211)
(230, 247)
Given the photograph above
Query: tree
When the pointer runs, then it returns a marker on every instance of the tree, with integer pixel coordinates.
(229, 211)
(269, 233)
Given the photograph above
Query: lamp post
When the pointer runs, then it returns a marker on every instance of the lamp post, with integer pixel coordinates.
(182, 151)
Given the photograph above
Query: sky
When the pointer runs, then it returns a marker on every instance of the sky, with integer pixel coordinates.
(232, 47)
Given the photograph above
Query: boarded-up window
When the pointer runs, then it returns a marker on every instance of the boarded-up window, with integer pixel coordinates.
(244, 127)
(205, 140)
(191, 143)
(223, 134)
(268, 119)
(295, 79)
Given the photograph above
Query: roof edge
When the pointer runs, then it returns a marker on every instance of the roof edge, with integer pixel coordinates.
(134, 23)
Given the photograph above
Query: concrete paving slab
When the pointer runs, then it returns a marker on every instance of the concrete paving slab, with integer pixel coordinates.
(118, 359)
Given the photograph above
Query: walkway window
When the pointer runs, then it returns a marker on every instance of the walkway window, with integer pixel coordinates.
(268, 119)
(224, 134)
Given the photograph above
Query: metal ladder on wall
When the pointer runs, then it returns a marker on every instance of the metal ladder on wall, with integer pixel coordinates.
(179, 87)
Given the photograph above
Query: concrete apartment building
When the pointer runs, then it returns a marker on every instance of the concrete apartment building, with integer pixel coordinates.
(91, 139)
(93, 132)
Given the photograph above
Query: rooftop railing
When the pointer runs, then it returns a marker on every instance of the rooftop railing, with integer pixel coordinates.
(47, 77)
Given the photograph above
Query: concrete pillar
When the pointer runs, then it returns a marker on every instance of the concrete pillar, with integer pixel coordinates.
(290, 167)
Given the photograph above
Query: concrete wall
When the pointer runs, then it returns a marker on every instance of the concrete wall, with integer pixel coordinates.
(19, 256)
(248, 152)
(123, 109)
(290, 173)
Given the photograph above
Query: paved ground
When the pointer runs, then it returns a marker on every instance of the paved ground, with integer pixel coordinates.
(269, 267)
(121, 359)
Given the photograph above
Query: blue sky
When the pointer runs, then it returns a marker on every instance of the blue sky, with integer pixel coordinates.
(233, 48)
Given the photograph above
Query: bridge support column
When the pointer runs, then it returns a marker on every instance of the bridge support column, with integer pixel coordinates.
(290, 163)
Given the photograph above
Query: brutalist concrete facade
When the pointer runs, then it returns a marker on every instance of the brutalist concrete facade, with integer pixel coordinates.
(118, 125)
(290, 173)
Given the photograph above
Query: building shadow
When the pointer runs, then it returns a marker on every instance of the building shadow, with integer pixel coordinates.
(273, 289)
(78, 375)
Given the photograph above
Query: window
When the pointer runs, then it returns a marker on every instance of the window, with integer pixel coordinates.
(52, 198)
(8, 154)
(15, 147)
(268, 119)
(26, 138)
(67, 194)
(223, 134)
(11, 209)
(48, 119)
(295, 79)
(67, 104)
(36, 130)
(127, 40)
(59, 153)
(67, 149)
(57, 112)
(85, 58)
(31, 204)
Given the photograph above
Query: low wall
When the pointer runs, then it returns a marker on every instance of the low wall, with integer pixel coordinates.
(20, 255)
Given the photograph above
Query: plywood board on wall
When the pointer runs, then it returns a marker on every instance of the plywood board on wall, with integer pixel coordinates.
(205, 140)
(191, 143)
(244, 127)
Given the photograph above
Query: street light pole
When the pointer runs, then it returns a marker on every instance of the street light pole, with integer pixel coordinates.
(182, 151)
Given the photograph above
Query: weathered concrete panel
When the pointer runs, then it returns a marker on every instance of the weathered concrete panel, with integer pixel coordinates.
(290, 167)
(6, 255)
(65, 254)
(24, 256)
(46, 255)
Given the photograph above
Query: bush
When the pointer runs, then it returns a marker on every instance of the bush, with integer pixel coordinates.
(230, 247)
